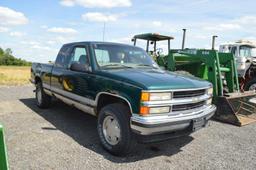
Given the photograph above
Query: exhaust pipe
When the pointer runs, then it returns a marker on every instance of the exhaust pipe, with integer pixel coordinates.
(213, 41)
(183, 39)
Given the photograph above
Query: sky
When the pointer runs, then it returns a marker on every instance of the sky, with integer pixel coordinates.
(35, 30)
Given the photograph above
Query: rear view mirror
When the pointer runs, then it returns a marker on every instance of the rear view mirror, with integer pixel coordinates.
(79, 67)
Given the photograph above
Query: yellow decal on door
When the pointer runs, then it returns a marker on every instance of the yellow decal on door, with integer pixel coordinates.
(67, 85)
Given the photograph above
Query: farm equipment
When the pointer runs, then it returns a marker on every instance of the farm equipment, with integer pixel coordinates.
(233, 106)
(244, 52)
(3, 153)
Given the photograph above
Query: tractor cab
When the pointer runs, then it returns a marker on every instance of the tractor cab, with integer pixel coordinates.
(239, 49)
(153, 39)
(244, 53)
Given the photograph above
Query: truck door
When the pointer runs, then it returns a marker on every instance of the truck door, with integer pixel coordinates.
(74, 81)
(60, 65)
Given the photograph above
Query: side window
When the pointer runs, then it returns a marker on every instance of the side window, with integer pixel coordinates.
(233, 50)
(79, 55)
(63, 57)
(102, 56)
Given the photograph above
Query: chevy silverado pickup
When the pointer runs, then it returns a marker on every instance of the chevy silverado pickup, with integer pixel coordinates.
(133, 99)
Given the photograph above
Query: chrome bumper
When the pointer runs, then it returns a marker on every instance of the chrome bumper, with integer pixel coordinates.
(149, 125)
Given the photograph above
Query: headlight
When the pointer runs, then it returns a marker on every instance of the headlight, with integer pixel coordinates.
(146, 96)
(210, 91)
(144, 110)
(159, 110)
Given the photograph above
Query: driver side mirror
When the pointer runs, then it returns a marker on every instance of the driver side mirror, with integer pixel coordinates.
(79, 67)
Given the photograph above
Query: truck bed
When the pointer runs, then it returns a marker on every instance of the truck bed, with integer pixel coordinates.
(40, 69)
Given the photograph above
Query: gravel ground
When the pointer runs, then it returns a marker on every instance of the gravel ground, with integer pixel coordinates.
(65, 138)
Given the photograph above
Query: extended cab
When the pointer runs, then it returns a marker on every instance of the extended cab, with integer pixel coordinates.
(132, 98)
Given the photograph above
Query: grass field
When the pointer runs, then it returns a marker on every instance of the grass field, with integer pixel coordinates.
(14, 75)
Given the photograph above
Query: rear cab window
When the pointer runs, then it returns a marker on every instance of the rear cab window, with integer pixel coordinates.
(63, 57)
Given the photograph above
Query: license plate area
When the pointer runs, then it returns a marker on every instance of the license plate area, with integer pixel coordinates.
(198, 123)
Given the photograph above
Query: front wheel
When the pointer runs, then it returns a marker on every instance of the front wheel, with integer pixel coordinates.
(114, 129)
(42, 99)
(251, 85)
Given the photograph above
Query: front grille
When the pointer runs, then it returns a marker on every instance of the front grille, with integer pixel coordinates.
(184, 94)
(185, 107)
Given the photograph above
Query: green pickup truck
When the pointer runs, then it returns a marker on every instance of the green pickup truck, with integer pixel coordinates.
(132, 98)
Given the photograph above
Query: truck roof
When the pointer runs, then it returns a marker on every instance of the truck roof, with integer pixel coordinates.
(96, 42)
(153, 37)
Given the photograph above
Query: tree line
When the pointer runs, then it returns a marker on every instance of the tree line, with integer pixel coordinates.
(7, 58)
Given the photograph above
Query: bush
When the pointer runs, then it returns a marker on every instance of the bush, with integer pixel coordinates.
(6, 58)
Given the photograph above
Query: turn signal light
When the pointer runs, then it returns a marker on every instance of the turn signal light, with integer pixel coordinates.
(145, 96)
(144, 110)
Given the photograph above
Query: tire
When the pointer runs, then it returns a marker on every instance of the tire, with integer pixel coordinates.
(120, 114)
(249, 85)
(42, 99)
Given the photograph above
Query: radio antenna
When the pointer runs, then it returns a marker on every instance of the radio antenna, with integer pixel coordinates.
(104, 29)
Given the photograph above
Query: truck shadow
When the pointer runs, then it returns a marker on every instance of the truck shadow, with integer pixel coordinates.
(82, 128)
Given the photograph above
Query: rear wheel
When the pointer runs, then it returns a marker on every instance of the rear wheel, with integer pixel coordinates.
(114, 129)
(42, 99)
(250, 85)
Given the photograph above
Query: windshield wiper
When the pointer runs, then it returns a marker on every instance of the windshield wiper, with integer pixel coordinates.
(115, 65)
(146, 65)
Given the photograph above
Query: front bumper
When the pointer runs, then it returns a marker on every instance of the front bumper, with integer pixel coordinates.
(149, 125)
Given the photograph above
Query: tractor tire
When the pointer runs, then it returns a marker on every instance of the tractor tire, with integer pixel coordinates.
(114, 129)
(250, 85)
(42, 99)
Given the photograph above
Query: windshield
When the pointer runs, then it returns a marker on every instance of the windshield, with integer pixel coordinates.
(245, 51)
(112, 55)
(253, 52)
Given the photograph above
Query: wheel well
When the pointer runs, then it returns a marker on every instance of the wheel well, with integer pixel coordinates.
(105, 99)
(37, 79)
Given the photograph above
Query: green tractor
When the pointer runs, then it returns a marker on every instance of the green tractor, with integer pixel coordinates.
(233, 106)
(3, 154)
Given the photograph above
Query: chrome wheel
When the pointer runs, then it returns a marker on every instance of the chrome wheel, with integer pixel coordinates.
(111, 130)
(252, 87)
(39, 95)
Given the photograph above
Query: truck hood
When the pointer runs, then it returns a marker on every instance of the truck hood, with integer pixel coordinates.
(155, 79)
